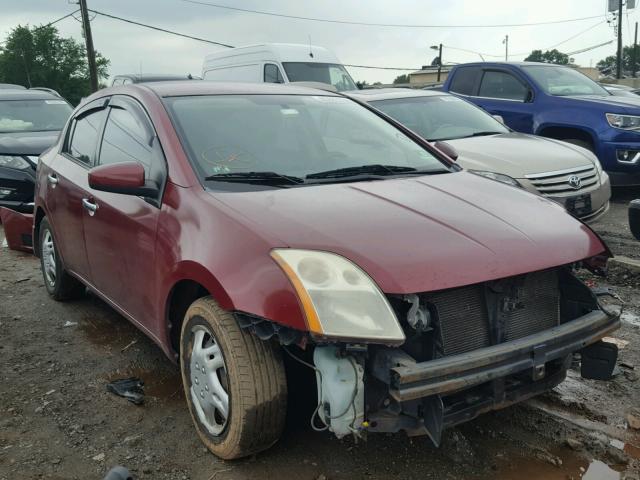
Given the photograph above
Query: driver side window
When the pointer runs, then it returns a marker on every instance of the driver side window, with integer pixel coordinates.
(502, 85)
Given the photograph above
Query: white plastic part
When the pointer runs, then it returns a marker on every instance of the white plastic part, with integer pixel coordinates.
(340, 391)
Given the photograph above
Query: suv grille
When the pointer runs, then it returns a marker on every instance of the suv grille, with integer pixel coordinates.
(499, 311)
(559, 182)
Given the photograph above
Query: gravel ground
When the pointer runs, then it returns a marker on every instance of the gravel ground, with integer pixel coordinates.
(58, 421)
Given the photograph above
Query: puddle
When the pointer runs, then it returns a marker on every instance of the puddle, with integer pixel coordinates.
(165, 386)
(572, 467)
(631, 318)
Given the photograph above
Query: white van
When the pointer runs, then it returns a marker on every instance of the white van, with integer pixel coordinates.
(277, 63)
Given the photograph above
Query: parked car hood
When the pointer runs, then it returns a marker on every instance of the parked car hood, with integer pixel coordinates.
(422, 233)
(625, 103)
(517, 154)
(26, 143)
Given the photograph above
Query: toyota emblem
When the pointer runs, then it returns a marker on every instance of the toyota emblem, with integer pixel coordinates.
(575, 182)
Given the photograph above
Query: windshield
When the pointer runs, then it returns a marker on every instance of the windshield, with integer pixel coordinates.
(330, 73)
(291, 135)
(563, 81)
(441, 117)
(33, 115)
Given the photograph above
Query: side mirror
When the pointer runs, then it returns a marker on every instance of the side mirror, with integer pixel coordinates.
(447, 149)
(499, 118)
(634, 218)
(126, 178)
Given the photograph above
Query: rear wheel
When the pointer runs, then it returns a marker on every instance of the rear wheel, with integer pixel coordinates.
(234, 383)
(59, 284)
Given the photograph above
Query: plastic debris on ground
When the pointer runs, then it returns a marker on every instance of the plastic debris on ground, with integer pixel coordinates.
(130, 388)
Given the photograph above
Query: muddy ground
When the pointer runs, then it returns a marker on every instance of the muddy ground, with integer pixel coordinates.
(57, 420)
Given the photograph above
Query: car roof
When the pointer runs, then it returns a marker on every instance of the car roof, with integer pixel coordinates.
(374, 94)
(152, 77)
(515, 64)
(178, 89)
(20, 94)
(12, 86)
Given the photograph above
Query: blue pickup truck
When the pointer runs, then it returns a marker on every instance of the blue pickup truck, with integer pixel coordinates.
(558, 102)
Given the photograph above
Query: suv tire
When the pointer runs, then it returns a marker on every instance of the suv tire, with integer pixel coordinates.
(234, 383)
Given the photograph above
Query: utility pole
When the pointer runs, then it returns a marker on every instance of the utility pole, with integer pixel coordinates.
(506, 47)
(439, 62)
(635, 49)
(91, 53)
(619, 54)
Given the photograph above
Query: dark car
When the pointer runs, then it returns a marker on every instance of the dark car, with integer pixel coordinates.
(30, 121)
(126, 79)
(238, 223)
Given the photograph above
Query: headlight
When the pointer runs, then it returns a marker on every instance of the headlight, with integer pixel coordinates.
(10, 161)
(338, 298)
(499, 177)
(624, 122)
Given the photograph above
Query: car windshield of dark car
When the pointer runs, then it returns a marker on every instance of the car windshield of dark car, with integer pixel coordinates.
(33, 115)
(441, 117)
(291, 135)
(563, 81)
(330, 73)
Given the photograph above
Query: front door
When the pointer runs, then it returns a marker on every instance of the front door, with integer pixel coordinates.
(120, 230)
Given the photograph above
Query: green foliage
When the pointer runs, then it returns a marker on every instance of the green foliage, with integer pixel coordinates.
(40, 57)
(550, 56)
(401, 79)
(609, 63)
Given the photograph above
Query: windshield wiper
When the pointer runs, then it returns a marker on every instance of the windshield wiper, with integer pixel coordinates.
(264, 178)
(376, 170)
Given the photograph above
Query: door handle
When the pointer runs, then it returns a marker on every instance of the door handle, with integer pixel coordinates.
(89, 206)
(53, 180)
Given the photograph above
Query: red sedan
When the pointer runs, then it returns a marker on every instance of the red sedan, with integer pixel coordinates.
(231, 223)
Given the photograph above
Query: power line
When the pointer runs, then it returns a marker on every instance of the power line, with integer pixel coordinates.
(366, 24)
(161, 29)
(379, 68)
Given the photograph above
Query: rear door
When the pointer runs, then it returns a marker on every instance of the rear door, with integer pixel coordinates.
(67, 186)
(120, 231)
(501, 92)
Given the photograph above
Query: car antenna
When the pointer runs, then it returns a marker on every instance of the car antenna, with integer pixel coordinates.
(310, 51)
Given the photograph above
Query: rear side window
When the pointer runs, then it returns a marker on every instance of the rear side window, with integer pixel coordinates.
(126, 138)
(272, 74)
(84, 140)
(502, 85)
(465, 80)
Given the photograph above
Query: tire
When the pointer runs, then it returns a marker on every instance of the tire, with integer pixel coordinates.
(579, 143)
(59, 284)
(216, 353)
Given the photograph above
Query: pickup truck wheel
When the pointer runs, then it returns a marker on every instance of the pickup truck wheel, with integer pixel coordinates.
(59, 284)
(234, 382)
(580, 143)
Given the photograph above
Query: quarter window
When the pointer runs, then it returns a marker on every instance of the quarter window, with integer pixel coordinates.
(465, 80)
(502, 85)
(84, 140)
(272, 74)
(126, 138)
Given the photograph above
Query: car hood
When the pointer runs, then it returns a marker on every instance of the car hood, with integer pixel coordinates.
(418, 234)
(26, 143)
(626, 103)
(517, 154)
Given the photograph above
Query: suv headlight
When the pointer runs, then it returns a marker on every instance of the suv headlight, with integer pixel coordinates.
(12, 161)
(498, 177)
(339, 300)
(623, 122)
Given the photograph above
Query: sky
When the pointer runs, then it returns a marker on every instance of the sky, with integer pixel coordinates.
(133, 49)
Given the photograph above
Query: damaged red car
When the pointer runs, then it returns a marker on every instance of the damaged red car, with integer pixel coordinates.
(237, 224)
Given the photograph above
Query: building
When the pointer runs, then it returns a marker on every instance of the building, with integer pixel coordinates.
(428, 76)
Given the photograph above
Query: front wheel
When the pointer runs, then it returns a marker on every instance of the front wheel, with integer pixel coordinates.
(234, 383)
(59, 284)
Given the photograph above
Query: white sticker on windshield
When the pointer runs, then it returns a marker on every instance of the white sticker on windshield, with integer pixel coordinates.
(289, 111)
(55, 102)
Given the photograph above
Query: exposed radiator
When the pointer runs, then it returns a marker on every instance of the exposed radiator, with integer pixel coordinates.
(515, 307)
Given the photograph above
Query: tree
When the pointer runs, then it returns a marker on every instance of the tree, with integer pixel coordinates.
(550, 56)
(401, 79)
(40, 57)
(608, 64)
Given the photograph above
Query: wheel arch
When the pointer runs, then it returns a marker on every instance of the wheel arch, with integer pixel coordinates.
(562, 132)
(37, 220)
